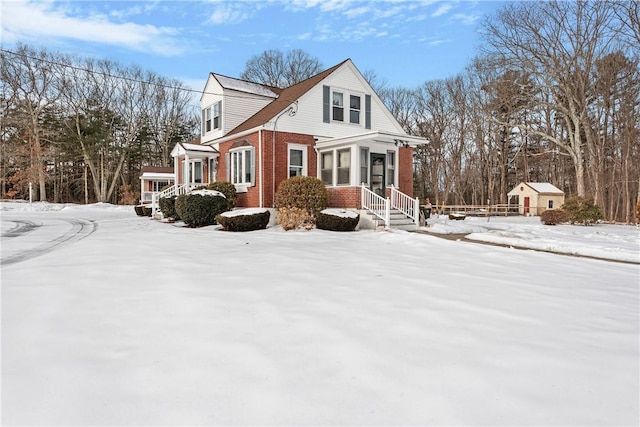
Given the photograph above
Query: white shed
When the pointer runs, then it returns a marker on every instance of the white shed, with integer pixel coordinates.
(533, 198)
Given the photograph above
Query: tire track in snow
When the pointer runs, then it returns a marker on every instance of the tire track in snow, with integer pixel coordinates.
(21, 228)
(80, 228)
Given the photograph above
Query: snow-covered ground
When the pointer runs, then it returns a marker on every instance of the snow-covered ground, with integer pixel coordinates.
(113, 319)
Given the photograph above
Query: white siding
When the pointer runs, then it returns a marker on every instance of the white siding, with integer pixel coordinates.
(239, 106)
(308, 119)
(212, 94)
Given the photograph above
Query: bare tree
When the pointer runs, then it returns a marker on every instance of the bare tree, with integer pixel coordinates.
(277, 69)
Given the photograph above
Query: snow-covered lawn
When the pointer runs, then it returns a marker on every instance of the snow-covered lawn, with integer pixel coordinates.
(113, 319)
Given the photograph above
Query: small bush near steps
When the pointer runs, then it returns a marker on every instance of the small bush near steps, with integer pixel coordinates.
(553, 217)
(337, 220)
(226, 188)
(167, 206)
(244, 220)
(293, 218)
(201, 207)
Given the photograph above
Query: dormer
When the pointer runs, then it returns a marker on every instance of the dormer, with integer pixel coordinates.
(227, 102)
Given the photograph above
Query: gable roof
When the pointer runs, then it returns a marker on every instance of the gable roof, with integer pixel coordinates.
(540, 188)
(246, 86)
(286, 98)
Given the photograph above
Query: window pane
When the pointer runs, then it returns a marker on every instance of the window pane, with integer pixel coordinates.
(295, 157)
(364, 165)
(337, 99)
(247, 166)
(354, 102)
(327, 168)
(354, 116)
(344, 166)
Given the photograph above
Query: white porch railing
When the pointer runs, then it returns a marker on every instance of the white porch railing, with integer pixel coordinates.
(376, 204)
(381, 207)
(405, 204)
(174, 190)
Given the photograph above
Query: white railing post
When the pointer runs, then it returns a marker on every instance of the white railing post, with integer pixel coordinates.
(416, 211)
(387, 212)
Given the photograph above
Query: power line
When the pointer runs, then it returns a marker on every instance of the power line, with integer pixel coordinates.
(105, 74)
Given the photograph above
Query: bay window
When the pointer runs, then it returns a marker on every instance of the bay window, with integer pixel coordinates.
(241, 166)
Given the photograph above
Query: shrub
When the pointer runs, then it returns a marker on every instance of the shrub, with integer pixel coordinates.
(226, 188)
(638, 212)
(126, 195)
(200, 209)
(337, 220)
(167, 206)
(293, 218)
(303, 192)
(139, 210)
(238, 221)
(146, 210)
(582, 210)
(553, 217)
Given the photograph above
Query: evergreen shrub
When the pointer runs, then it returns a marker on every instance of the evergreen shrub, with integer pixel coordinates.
(146, 210)
(167, 206)
(302, 192)
(139, 210)
(198, 210)
(582, 210)
(244, 222)
(553, 217)
(226, 188)
(293, 218)
(341, 220)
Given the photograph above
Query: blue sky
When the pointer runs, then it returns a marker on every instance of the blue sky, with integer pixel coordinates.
(405, 42)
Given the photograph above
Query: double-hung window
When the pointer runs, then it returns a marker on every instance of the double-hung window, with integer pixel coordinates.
(344, 166)
(217, 119)
(338, 106)
(297, 160)
(206, 120)
(391, 167)
(354, 109)
(326, 167)
(364, 165)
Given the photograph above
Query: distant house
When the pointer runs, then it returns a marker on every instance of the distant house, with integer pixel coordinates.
(533, 198)
(153, 180)
(331, 126)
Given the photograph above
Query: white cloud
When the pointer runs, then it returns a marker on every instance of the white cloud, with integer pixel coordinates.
(229, 13)
(25, 20)
(442, 10)
(465, 19)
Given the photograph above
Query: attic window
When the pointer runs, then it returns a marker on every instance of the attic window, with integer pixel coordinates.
(521, 188)
(338, 106)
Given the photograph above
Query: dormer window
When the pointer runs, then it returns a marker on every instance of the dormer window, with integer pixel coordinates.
(212, 118)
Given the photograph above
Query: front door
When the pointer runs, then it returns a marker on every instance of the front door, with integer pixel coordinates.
(377, 174)
(526, 205)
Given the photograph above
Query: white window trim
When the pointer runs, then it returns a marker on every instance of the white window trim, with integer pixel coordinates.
(243, 162)
(192, 166)
(391, 154)
(335, 152)
(300, 147)
(346, 107)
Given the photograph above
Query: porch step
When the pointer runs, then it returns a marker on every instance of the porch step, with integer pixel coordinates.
(397, 220)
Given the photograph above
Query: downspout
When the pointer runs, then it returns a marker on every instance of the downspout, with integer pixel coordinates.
(291, 111)
(261, 165)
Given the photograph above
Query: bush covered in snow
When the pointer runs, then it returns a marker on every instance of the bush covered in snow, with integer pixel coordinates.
(200, 208)
(582, 210)
(226, 188)
(303, 192)
(294, 218)
(337, 220)
(244, 219)
(167, 206)
(553, 217)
